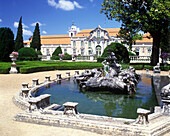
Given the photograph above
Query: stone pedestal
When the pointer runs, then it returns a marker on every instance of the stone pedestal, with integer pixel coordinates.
(24, 92)
(76, 73)
(24, 85)
(47, 78)
(35, 82)
(68, 74)
(58, 76)
(142, 116)
(13, 69)
(70, 106)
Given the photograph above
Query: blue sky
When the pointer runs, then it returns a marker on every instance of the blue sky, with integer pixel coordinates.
(54, 16)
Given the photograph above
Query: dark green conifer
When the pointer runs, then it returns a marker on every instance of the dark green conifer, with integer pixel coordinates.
(6, 43)
(36, 42)
(19, 38)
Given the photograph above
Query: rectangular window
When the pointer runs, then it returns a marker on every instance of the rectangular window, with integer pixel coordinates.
(82, 43)
(47, 52)
(74, 43)
(82, 51)
(98, 33)
(89, 43)
(74, 51)
(65, 50)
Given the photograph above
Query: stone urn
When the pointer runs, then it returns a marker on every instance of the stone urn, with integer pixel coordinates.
(13, 57)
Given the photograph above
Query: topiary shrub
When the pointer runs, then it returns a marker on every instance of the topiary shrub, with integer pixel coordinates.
(120, 51)
(56, 52)
(27, 53)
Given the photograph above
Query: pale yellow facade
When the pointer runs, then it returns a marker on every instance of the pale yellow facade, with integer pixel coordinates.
(89, 42)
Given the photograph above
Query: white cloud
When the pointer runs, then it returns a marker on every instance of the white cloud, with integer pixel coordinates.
(44, 32)
(23, 25)
(27, 32)
(34, 24)
(91, 0)
(64, 4)
(77, 5)
(0, 20)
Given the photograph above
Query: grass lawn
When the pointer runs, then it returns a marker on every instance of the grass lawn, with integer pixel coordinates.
(36, 66)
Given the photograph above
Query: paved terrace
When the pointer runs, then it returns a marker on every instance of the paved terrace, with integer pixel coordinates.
(10, 84)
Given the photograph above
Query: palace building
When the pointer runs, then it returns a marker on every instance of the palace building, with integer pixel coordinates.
(90, 42)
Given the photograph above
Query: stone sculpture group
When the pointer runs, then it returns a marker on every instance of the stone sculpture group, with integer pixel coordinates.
(112, 78)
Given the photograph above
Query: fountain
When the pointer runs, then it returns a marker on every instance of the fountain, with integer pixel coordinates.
(112, 78)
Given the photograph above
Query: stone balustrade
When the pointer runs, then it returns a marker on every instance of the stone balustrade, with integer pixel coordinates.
(41, 101)
(76, 73)
(24, 85)
(146, 59)
(24, 92)
(142, 116)
(35, 82)
(47, 78)
(68, 74)
(58, 76)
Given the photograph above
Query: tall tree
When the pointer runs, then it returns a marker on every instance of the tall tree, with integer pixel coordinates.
(6, 43)
(19, 38)
(145, 15)
(36, 42)
(129, 37)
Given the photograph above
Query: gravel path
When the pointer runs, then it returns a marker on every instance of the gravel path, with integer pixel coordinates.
(9, 85)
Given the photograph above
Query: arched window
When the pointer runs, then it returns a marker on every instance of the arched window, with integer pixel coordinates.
(98, 50)
(98, 33)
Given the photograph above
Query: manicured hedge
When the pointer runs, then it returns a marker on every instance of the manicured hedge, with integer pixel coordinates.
(4, 70)
(36, 66)
(100, 59)
(59, 66)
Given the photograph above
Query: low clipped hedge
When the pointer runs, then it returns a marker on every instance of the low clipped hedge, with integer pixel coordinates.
(100, 59)
(4, 70)
(36, 66)
(138, 67)
(59, 66)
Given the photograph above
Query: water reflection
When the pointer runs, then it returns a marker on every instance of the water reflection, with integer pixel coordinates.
(158, 82)
(106, 103)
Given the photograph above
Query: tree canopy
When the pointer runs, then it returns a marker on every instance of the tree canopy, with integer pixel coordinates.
(142, 15)
(36, 42)
(6, 43)
(129, 37)
(120, 51)
(19, 38)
